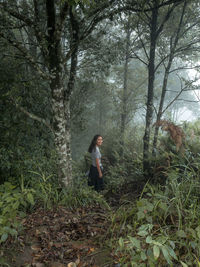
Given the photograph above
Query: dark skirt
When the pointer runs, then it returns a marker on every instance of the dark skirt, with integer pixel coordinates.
(94, 180)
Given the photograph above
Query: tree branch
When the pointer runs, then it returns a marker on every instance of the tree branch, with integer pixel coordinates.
(29, 23)
(26, 54)
(176, 97)
(32, 116)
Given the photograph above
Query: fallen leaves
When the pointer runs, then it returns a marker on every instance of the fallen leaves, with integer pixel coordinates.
(62, 238)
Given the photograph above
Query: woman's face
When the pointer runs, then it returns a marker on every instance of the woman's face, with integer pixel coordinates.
(99, 141)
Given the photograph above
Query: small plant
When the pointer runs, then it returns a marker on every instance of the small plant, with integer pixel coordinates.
(46, 189)
(160, 231)
(81, 196)
(13, 203)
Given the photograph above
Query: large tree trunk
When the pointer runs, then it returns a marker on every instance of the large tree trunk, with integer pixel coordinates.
(151, 77)
(60, 104)
(59, 123)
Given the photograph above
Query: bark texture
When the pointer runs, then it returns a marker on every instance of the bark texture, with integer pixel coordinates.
(151, 78)
(125, 86)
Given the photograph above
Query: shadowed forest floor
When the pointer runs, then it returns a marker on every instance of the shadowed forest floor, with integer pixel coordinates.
(57, 237)
(64, 238)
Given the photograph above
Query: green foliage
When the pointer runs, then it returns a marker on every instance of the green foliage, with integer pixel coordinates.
(13, 203)
(123, 164)
(48, 192)
(81, 196)
(162, 227)
(46, 189)
(41, 191)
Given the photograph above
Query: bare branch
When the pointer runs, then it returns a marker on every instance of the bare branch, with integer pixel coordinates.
(136, 56)
(31, 115)
(186, 100)
(177, 96)
(17, 15)
(185, 68)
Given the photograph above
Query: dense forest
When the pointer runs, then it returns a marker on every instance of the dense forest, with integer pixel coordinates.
(129, 71)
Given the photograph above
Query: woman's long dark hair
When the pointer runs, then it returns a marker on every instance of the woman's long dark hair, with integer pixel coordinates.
(93, 143)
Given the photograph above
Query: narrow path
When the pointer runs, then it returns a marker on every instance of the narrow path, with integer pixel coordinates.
(59, 237)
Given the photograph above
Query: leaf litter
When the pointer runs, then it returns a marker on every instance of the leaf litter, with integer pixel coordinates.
(63, 238)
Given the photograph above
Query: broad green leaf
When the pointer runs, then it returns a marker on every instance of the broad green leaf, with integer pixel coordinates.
(172, 244)
(156, 252)
(156, 243)
(146, 227)
(166, 254)
(143, 255)
(149, 239)
(149, 206)
(172, 253)
(4, 237)
(13, 232)
(193, 244)
(140, 215)
(135, 242)
(149, 252)
(142, 233)
(181, 233)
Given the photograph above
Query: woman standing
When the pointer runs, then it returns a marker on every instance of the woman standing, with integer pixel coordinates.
(95, 174)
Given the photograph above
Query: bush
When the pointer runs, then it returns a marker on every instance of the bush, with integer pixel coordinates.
(159, 229)
(13, 203)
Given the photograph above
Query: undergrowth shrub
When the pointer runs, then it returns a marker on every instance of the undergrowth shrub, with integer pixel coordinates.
(14, 202)
(81, 196)
(162, 228)
(127, 167)
(47, 189)
(43, 191)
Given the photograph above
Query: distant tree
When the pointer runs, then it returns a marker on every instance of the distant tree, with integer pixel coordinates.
(180, 43)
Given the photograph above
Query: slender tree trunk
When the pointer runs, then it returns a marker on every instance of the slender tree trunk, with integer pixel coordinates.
(162, 99)
(151, 77)
(67, 115)
(74, 39)
(125, 87)
(100, 114)
(68, 178)
(166, 76)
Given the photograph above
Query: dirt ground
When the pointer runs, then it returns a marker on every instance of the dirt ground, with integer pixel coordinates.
(59, 238)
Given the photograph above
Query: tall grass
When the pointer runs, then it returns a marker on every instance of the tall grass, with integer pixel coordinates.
(162, 227)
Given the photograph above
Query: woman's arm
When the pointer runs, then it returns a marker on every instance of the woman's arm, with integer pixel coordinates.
(98, 168)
